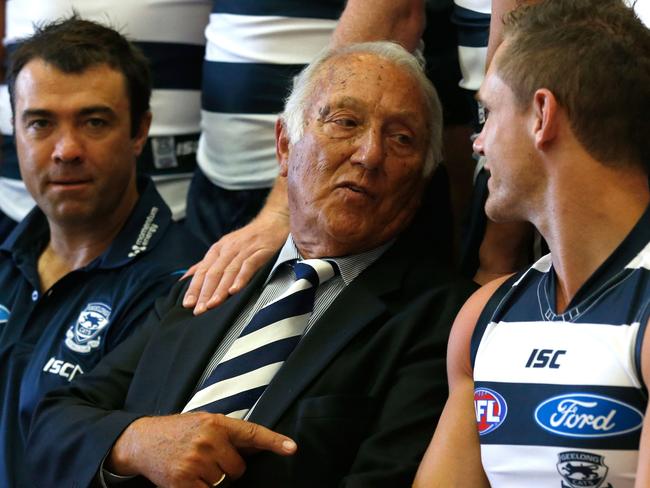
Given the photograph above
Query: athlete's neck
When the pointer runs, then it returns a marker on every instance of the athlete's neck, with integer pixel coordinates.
(583, 228)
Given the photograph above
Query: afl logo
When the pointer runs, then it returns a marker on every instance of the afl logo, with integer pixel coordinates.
(4, 315)
(491, 410)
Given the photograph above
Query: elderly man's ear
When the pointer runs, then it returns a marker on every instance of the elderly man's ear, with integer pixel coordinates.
(282, 146)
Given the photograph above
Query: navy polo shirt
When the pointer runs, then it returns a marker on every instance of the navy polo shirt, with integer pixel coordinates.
(47, 339)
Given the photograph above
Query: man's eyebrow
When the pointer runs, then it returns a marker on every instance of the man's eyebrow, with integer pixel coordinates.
(346, 101)
(42, 112)
(97, 109)
(35, 112)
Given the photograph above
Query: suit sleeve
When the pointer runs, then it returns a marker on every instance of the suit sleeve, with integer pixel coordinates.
(411, 407)
(75, 427)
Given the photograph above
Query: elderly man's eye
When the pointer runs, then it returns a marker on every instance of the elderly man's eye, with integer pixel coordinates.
(404, 139)
(345, 122)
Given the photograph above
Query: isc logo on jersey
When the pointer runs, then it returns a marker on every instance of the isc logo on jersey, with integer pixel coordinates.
(84, 336)
(491, 410)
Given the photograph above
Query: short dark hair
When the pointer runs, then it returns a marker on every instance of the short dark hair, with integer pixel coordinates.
(594, 56)
(73, 45)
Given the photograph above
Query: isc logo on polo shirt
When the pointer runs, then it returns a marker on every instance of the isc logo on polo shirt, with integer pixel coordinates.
(491, 410)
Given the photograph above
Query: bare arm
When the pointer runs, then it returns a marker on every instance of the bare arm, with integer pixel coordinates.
(505, 246)
(504, 249)
(230, 263)
(499, 9)
(398, 20)
(454, 456)
(643, 466)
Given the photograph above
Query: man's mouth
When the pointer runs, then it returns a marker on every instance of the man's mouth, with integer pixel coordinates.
(355, 188)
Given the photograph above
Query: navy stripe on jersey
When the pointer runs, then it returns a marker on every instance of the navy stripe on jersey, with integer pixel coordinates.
(473, 27)
(488, 312)
(521, 428)
(252, 88)
(174, 66)
(323, 9)
(9, 162)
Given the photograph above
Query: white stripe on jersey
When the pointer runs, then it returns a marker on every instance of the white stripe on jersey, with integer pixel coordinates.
(241, 141)
(596, 354)
(16, 201)
(139, 20)
(266, 39)
(641, 260)
(168, 122)
(482, 6)
(472, 66)
(541, 463)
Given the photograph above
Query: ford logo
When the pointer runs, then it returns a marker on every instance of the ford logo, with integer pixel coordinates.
(585, 415)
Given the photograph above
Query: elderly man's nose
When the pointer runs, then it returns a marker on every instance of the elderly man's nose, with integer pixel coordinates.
(68, 147)
(370, 149)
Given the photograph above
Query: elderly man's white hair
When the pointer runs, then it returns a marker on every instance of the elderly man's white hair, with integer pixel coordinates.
(304, 87)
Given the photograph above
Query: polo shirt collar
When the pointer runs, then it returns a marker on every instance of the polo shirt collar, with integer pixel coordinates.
(141, 232)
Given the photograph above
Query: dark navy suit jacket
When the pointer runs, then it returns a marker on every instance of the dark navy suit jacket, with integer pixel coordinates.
(361, 393)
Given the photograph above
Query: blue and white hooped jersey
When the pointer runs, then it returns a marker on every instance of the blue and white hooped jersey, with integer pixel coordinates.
(254, 49)
(472, 19)
(559, 398)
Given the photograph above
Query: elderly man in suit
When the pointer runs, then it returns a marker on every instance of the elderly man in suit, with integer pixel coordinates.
(330, 368)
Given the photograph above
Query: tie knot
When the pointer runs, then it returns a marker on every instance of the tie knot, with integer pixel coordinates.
(316, 271)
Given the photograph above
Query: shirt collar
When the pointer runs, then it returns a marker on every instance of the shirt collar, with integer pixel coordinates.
(350, 266)
(142, 230)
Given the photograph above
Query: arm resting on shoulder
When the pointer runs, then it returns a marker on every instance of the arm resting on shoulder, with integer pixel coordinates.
(454, 455)
(231, 262)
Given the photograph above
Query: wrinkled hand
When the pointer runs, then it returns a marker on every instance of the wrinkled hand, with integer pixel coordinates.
(191, 450)
(231, 262)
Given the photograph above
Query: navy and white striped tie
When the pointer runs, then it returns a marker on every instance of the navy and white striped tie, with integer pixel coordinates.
(263, 345)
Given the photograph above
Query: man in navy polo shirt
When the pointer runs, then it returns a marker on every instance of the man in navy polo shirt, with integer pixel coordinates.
(84, 267)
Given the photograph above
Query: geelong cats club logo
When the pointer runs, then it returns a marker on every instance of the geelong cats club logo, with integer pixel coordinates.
(85, 335)
(491, 410)
(582, 470)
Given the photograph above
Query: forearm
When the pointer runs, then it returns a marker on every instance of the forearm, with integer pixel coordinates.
(397, 20)
(504, 250)
(277, 205)
(499, 9)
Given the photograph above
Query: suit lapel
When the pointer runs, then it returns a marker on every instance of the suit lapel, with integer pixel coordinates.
(353, 310)
(193, 348)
